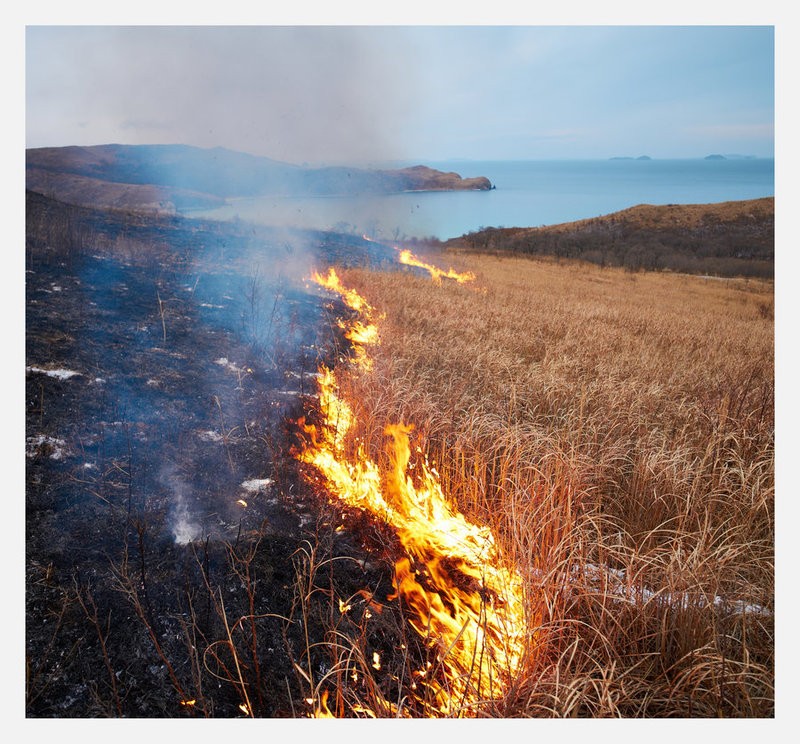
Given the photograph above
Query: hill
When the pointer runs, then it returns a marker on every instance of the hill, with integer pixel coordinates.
(735, 238)
(171, 177)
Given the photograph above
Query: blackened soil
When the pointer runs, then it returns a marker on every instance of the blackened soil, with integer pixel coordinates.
(176, 562)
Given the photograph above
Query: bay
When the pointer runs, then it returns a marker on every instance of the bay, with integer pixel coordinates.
(527, 194)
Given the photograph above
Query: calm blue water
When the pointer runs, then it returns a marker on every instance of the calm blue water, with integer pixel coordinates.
(528, 194)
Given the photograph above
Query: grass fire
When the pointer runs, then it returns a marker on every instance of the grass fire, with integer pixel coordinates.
(303, 474)
(461, 598)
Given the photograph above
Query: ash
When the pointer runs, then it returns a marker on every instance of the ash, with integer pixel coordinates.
(163, 504)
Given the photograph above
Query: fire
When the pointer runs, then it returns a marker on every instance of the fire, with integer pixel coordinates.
(351, 298)
(321, 709)
(409, 259)
(361, 333)
(463, 600)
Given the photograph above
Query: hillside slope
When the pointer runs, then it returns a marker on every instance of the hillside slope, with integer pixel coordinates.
(182, 176)
(728, 238)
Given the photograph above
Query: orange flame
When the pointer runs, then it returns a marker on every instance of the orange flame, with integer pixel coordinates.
(464, 601)
(351, 298)
(321, 709)
(409, 259)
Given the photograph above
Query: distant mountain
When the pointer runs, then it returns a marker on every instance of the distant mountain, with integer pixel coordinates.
(715, 157)
(630, 157)
(169, 177)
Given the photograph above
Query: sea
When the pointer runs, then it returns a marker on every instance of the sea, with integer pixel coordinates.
(527, 193)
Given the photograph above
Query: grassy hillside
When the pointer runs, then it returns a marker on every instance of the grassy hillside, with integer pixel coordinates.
(727, 239)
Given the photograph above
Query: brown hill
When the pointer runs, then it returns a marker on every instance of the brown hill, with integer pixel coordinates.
(169, 177)
(94, 192)
(727, 238)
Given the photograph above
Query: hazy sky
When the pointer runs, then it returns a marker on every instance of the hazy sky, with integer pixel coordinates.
(355, 94)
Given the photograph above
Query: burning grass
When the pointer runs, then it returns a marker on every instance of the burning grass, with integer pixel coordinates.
(460, 598)
(615, 433)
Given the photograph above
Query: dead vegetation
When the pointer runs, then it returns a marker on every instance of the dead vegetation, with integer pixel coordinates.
(616, 431)
(725, 239)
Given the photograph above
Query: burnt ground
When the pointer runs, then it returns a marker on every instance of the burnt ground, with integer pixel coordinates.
(176, 561)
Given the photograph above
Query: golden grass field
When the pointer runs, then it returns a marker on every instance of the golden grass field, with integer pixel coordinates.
(616, 432)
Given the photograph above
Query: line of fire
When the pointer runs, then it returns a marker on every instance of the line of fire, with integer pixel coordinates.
(462, 599)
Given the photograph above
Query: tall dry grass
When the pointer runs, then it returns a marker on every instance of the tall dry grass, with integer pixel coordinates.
(616, 431)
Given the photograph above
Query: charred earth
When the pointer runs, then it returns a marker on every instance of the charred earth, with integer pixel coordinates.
(176, 563)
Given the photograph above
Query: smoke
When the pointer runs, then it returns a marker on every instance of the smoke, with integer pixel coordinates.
(297, 94)
(189, 429)
(184, 526)
(293, 94)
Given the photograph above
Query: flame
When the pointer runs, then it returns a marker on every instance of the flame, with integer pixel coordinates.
(462, 599)
(322, 710)
(361, 333)
(409, 259)
(351, 298)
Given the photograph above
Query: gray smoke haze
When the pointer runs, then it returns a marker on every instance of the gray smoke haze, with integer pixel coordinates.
(299, 94)
(351, 94)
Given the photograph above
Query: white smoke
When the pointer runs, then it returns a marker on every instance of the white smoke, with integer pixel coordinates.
(184, 526)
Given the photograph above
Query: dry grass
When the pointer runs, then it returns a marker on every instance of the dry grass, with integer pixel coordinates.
(616, 431)
(684, 215)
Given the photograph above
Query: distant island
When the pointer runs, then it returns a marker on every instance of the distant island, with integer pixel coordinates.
(731, 156)
(713, 156)
(168, 178)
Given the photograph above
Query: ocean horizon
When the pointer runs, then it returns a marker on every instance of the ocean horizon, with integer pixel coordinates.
(527, 193)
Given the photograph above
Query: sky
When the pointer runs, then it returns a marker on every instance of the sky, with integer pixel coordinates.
(375, 93)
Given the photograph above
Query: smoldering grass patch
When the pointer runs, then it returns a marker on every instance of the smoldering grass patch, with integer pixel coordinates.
(183, 523)
(184, 528)
(227, 364)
